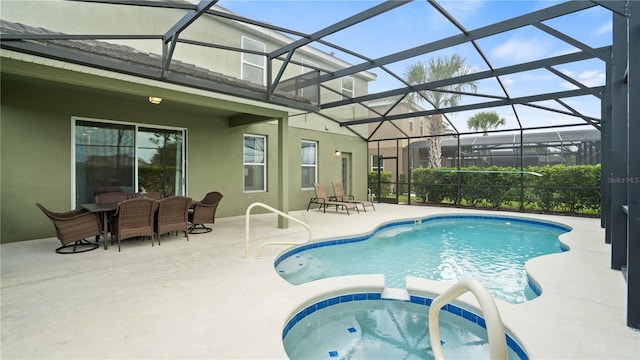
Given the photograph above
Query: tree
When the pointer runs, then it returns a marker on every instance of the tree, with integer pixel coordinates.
(450, 95)
(484, 121)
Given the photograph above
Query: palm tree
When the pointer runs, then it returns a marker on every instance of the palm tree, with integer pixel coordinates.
(438, 69)
(485, 120)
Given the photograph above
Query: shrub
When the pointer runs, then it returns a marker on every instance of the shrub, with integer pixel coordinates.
(384, 186)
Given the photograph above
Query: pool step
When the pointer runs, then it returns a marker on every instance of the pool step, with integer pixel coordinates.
(395, 294)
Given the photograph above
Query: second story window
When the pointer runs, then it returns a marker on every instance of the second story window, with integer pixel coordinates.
(411, 125)
(421, 127)
(347, 87)
(253, 65)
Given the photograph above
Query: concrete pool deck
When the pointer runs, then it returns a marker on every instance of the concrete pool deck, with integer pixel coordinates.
(202, 300)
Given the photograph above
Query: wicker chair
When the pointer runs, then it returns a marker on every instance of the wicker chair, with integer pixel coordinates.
(72, 228)
(172, 215)
(111, 197)
(155, 195)
(134, 217)
(204, 212)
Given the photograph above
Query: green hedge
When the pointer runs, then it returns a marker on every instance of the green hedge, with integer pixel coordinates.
(385, 183)
(560, 188)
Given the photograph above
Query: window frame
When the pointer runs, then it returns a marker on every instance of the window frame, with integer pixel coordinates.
(380, 161)
(303, 70)
(244, 59)
(303, 165)
(344, 89)
(184, 156)
(263, 164)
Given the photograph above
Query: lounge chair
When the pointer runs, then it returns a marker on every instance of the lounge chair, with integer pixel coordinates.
(72, 228)
(203, 212)
(134, 217)
(172, 215)
(323, 200)
(338, 192)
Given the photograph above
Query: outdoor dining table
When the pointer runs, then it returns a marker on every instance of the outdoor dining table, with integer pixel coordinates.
(105, 209)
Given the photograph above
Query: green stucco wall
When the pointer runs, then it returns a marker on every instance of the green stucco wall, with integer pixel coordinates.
(35, 163)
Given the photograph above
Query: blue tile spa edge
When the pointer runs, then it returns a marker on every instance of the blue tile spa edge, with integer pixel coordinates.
(418, 300)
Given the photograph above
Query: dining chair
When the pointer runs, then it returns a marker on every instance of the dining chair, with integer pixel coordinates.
(172, 215)
(155, 195)
(204, 212)
(111, 197)
(134, 217)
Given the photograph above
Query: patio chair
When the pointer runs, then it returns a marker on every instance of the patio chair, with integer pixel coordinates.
(204, 212)
(134, 217)
(172, 215)
(111, 197)
(72, 228)
(323, 200)
(155, 195)
(339, 195)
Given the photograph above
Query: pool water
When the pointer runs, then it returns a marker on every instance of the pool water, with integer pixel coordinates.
(384, 329)
(492, 250)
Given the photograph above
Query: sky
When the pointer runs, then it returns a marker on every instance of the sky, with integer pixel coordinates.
(417, 23)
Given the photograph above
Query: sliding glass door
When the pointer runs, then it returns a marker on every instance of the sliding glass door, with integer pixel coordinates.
(125, 157)
(160, 154)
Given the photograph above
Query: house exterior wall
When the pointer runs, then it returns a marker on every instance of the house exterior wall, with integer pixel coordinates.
(36, 152)
(71, 17)
(40, 97)
(395, 148)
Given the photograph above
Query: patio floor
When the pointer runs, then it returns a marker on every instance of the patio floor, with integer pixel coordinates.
(202, 300)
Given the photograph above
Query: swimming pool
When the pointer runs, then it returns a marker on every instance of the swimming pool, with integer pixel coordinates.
(490, 249)
(366, 326)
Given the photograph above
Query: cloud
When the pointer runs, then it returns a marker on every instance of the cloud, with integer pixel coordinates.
(520, 50)
(588, 78)
(463, 10)
(507, 80)
(605, 28)
(592, 77)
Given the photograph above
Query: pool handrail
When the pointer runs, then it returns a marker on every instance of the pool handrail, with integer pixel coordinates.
(280, 213)
(495, 327)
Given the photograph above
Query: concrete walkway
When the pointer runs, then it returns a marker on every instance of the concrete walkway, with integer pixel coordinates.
(202, 300)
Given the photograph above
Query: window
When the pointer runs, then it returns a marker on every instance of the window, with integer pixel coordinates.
(112, 156)
(421, 127)
(255, 163)
(310, 92)
(411, 126)
(253, 65)
(309, 164)
(347, 87)
(377, 162)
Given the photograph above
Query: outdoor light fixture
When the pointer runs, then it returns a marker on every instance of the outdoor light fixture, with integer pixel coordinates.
(337, 152)
(155, 100)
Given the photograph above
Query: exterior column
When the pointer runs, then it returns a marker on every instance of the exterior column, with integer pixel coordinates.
(633, 185)
(615, 129)
(283, 171)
